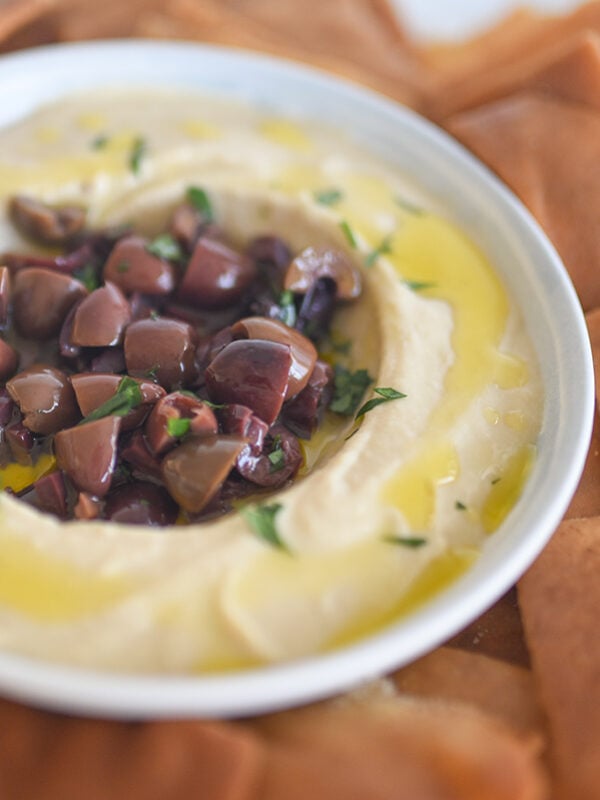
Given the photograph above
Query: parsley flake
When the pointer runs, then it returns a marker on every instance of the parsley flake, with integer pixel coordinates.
(406, 541)
(460, 506)
(166, 247)
(384, 248)
(328, 197)
(138, 151)
(88, 275)
(178, 426)
(385, 395)
(122, 266)
(411, 208)
(287, 312)
(127, 397)
(419, 286)
(276, 456)
(261, 519)
(349, 388)
(197, 197)
(348, 233)
(100, 142)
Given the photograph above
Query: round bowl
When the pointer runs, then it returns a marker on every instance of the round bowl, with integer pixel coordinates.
(491, 216)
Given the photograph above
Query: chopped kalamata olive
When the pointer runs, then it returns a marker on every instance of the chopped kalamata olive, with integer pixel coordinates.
(65, 346)
(87, 506)
(302, 414)
(20, 441)
(43, 223)
(252, 373)
(9, 359)
(137, 453)
(51, 494)
(316, 311)
(186, 225)
(42, 299)
(216, 276)
(45, 397)
(92, 389)
(112, 359)
(100, 319)
(141, 503)
(273, 468)
(194, 471)
(303, 351)
(238, 420)
(175, 416)
(5, 295)
(272, 255)
(323, 262)
(162, 349)
(133, 268)
(6, 407)
(87, 453)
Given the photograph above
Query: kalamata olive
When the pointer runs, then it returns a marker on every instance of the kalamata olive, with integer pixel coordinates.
(92, 389)
(100, 319)
(252, 373)
(185, 225)
(302, 414)
(65, 345)
(51, 494)
(163, 349)
(195, 470)
(6, 407)
(9, 359)
(112, 359)
(277, 464)
(216, 276)
(133, 268)
(302, 350)
(87, 453)
(45, 397)
(137, 453)
(316, 310)
(5, 288)
(175, 407)
(141, 503)
(323, 262)
(238, 420)
(20, 442)
(87, 507)
(43, 223)
(271, 254)
(42, 299)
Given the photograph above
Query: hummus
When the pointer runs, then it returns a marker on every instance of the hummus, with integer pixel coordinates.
(390, 508)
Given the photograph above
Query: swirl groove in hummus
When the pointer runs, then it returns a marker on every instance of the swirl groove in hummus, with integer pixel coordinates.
(385, 518)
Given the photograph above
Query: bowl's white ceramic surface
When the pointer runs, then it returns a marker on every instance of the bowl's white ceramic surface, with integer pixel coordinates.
(491, 216)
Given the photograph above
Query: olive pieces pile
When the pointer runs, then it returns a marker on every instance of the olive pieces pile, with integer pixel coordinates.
(168, 377)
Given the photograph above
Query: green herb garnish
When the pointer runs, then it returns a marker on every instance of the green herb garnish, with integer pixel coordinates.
(348, 233)
(165, 246)
(328, 197)
(383, 248)
(122, 266)
(178, 426)
(200, 200)
(406, 205)
(460, 506)
(88, 275)
(419, 286)
(276, 456)
(261, 519)
(349, 388)
(287, 314)
(127, 397)
(385, 395)
(405, 541)
(99, 142)
(138, 151)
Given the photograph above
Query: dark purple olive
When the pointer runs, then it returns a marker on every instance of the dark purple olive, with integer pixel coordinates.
(302, 350)
(138, 454)
(133, 268)
(112, 359)
(238, 420)
(251, 373)
(141, 503)
(43, 223)
(6, 407)
(175, 407)
(277, 464)
(303, 414)
(9, 360)
(65, 345)
(272, 255)
(51, 494)
(216, 276)
(20, 442)
(42, 299)
(101, 318)
(323, 262)
(195, 471)
(163, 349)
(87, 453)
(45, 397)
(5, 295)
(87, 507)
(92, 389)
(316, 310)
(185, 225)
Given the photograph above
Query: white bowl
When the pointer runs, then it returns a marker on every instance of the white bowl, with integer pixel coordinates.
(491, 216)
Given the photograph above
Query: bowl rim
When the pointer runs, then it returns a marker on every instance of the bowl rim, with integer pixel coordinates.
(281, 685)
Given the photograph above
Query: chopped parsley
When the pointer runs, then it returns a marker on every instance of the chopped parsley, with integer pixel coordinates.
(385, 395)
(328, 197)
(261, 519)
(419, 286)
(138, 151)
(383, 248)
(287, 314)
(349, 388)
(165, 246)
(411, 208)
(123, 266)
(178, 426)
(405, 541)
(100, 142)
(88, 275)
(348, 233)
(460, 506)
(127, 397)
(276, 456)
(197, 197)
